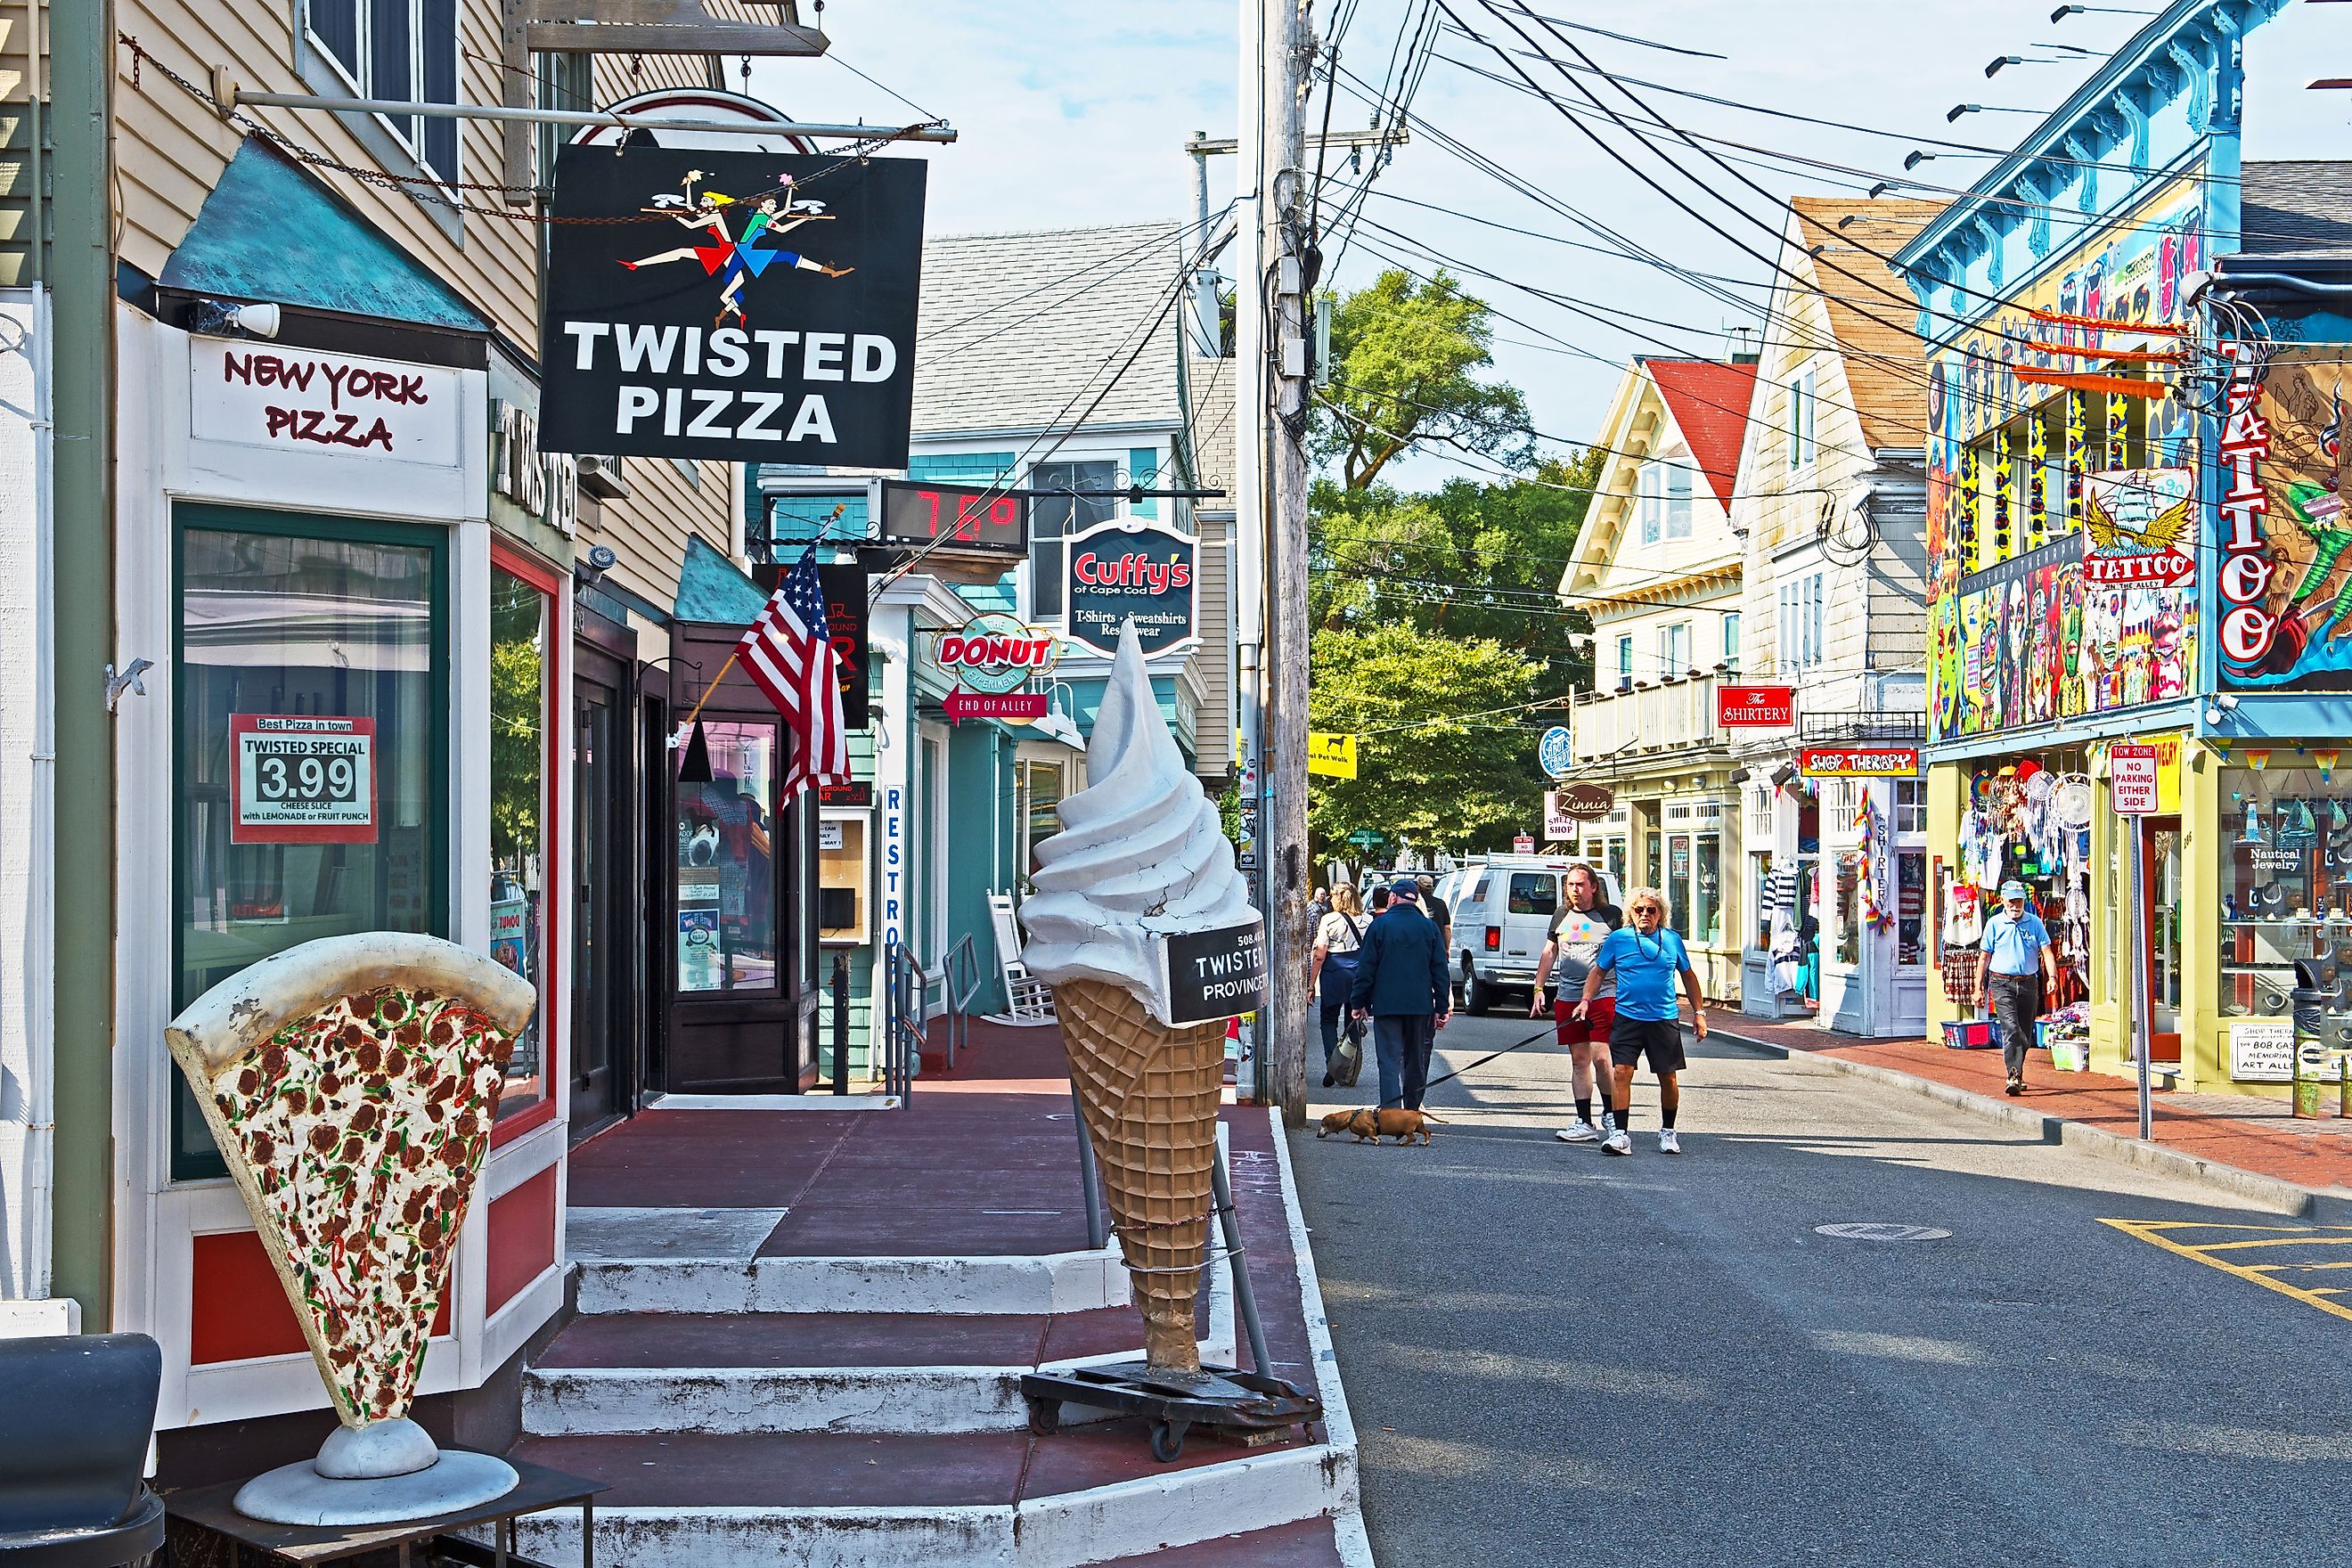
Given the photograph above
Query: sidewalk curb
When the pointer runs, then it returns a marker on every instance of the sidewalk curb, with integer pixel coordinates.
(2273, 1193)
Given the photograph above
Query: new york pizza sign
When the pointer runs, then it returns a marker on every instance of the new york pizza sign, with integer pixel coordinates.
(731, 307)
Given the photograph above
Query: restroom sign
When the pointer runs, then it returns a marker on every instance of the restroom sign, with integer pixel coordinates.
(2133, 779)
(301, 779)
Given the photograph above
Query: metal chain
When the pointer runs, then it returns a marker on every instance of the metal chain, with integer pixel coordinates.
(430, 187)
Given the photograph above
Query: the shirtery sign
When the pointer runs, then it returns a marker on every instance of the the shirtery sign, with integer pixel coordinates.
(703, 329)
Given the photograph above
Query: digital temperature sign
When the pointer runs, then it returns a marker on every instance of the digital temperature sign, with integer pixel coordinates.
(954, 517)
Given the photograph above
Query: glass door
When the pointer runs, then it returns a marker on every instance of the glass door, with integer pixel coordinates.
(603, 958)
(731, 1024)
(2160, 874)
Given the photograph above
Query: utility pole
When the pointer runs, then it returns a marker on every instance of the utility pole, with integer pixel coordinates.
(1284, 282)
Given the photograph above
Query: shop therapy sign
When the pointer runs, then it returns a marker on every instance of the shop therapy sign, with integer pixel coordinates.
(732, 307)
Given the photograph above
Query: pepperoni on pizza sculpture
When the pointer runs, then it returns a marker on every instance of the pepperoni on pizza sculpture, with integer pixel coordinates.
(350, 1083)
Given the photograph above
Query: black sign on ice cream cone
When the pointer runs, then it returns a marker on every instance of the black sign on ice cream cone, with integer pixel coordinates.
(1215, 975)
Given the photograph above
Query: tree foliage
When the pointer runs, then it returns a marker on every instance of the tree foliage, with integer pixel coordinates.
(1444, 759)
(1402, 358)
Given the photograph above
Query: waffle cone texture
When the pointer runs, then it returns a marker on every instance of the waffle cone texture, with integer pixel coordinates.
(1150, 1095)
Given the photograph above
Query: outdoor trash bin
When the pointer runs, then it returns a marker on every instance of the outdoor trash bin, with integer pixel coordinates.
(75, 1412)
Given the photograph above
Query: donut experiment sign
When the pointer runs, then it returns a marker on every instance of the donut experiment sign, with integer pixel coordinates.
(1121, 571)
(731, 307)
(991, 658)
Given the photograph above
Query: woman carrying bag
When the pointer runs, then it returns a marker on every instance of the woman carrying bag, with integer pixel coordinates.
(1337, 938)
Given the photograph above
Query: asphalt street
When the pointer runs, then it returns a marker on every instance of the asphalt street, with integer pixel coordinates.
(1557, 1356)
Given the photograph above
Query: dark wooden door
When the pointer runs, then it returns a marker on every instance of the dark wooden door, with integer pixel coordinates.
(605, 928)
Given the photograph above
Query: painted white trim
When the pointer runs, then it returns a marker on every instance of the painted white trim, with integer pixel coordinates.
(1339, 1423)
(812, 1101)
(1055, 1282)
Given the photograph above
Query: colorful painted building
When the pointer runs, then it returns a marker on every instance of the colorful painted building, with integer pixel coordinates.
(2132, 380)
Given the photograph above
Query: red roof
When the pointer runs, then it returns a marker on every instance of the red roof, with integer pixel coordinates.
(1708, 399)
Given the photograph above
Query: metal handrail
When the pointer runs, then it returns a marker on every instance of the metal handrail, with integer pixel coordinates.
(906, 993)
(960, 978)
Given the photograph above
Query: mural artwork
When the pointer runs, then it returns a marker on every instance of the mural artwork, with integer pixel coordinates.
(2027, 624)
(2285, 569)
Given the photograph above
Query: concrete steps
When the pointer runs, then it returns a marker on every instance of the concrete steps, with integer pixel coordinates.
(852, 1412)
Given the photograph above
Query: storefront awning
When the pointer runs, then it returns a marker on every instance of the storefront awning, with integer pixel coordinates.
(713, 590)
(269, 231)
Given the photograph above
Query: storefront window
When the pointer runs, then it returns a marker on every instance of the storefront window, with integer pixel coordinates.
(1910, 907)
(1653, 861)
(2286, 883)
(521, 685)
(309, 692)
(726, 939)
(842, 884)
(1041, 801)
(1706, 891)
(1849, 909)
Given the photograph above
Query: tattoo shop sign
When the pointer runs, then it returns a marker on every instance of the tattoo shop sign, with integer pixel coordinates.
(1121, 570)
(299, 400)
(732, 307)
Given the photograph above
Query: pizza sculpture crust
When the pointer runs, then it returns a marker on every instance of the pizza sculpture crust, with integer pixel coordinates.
(350, 1084)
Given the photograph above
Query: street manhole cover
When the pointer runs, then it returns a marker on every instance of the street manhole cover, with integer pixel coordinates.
(1858, 1230)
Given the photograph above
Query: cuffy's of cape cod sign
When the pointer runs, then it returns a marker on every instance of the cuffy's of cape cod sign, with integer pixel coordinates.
(732, 307)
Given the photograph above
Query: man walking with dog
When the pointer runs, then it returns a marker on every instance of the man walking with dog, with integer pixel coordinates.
(1645, 959)
(1574, 942)
(1402, 986)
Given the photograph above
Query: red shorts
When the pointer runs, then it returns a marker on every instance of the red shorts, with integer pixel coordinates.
(1574, 1031)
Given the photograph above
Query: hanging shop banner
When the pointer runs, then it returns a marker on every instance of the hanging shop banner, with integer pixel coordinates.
(2139, 526)
(1859, 762)
(1119, 571)
(301, 779)
(1755, 707)
(953, 516)
(1583, 801)
(1332, 756)
(731, 307)
(1558, 824)
(2284, 543)
(996, 652)
(1556, 753)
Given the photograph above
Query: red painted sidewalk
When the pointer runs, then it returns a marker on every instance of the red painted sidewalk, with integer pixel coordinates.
(2257, 1135)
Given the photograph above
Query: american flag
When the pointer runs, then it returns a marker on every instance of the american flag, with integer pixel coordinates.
(788, 653)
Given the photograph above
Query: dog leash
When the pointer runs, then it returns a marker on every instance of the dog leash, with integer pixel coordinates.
(1482, 1062)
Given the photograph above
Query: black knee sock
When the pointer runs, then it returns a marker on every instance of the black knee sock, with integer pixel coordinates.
(1666, 1115)
(1625, 1113)
(1584, 1110)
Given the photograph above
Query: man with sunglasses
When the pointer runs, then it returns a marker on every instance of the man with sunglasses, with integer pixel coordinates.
(1575, 941)
(1646, 960)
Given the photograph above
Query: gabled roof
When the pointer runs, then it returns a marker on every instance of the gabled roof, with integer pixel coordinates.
(1708, 399)
(1022, 331)
(1885, 367)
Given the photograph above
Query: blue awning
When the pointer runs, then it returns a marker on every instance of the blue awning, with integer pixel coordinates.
(713, 590)
(269, 231)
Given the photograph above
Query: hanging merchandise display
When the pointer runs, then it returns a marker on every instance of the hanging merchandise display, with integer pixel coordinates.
(2028, 821)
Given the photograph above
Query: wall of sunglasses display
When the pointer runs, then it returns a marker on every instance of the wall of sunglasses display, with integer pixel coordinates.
(2287, 884)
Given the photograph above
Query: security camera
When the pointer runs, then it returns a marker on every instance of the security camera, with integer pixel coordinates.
(590, 572)
(229, 318)
(2194, 287)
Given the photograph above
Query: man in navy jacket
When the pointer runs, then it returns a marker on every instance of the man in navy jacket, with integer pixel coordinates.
(1402, 986)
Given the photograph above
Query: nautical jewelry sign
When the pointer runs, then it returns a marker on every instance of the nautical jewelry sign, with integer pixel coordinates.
(732, 307)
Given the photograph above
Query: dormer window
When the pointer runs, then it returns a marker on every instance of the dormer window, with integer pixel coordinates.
(1665, 501)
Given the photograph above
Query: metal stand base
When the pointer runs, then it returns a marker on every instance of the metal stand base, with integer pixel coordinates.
(299, 1494)
(1230, 1401)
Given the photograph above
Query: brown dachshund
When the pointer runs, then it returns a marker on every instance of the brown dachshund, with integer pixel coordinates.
(1370, 1126)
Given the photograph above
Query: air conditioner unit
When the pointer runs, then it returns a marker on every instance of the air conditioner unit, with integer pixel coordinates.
(602, 478)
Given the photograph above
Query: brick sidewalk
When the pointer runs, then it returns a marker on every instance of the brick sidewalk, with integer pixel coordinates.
(2257, 1135)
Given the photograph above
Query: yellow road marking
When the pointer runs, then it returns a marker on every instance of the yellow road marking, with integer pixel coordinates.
(2304, 1238)
(2150, 1232)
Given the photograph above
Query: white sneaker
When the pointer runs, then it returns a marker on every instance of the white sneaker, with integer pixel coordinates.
(1667, 1142)
(1582, 1132)
(1617, 1144)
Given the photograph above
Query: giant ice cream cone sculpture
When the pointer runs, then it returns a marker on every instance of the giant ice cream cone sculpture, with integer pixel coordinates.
(1141, 859)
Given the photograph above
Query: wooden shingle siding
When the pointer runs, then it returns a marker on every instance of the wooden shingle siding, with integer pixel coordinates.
(170, 151)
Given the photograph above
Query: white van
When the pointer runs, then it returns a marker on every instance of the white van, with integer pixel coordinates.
(1502, 917)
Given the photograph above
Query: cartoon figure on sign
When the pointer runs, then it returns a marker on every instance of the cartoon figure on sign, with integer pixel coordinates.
(2169, 640)
(2073, 696)
(733, 259)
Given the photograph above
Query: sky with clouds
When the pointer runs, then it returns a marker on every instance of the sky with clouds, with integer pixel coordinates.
(1076, 112)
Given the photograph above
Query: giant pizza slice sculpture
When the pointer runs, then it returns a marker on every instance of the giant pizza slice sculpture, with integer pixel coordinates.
(350, 1084)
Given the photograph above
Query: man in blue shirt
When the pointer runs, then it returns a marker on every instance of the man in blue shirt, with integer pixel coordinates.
(1403, 987)
(1646, 959)
(2015, 960)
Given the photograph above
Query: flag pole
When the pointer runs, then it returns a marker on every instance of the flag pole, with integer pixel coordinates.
(713, 686)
